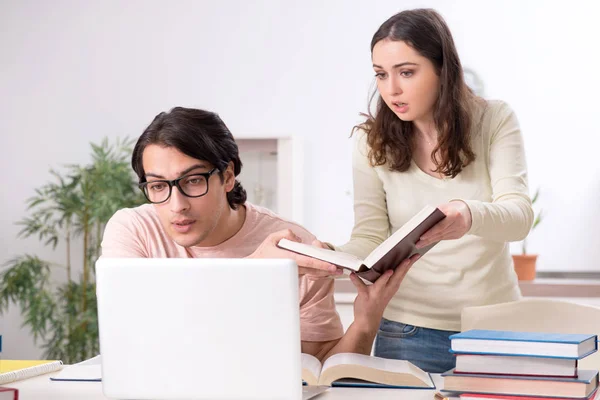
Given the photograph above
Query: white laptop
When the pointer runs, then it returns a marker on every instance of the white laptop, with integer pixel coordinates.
(199, 329)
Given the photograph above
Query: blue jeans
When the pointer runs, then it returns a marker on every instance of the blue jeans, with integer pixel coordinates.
(427, 348)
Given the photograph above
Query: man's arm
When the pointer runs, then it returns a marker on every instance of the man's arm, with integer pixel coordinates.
(368, 311)
(306, 265)
(354, 341)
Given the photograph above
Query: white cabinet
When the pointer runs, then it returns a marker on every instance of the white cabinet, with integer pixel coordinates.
(272, 174)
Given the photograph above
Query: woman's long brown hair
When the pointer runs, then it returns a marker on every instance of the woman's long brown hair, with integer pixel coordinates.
(390, 139)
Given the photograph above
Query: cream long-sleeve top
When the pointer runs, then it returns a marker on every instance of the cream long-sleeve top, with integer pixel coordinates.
(474, 270)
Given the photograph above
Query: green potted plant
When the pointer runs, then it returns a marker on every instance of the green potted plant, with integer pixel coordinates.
(71, 209)
(525, 263)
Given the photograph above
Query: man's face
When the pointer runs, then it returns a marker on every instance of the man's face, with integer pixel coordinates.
(188, 221)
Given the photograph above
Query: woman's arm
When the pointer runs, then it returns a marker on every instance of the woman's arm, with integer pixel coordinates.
(509, 216)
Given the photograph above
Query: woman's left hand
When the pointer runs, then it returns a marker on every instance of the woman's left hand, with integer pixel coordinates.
(456, 224)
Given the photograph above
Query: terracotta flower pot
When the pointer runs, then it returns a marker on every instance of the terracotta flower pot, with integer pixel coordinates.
(525, 266)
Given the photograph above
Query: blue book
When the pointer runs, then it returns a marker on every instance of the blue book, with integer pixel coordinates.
(536, 344)
(366, 384)
(582, 386)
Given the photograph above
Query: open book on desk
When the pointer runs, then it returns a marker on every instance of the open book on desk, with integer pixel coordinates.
(359, 370)
(388, 255)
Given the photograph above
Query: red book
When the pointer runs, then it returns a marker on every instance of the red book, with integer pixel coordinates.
(532, 386)
(478, 396)
(7, 393)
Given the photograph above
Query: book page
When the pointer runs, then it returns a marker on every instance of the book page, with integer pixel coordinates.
(397, 236)
(497, 364)
(377, 363)
(79, 373)
(338, 258)
(311, 369)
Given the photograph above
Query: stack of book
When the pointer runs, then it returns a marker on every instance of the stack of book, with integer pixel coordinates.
(507, 365)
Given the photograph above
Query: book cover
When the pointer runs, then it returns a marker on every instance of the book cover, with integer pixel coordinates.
(484, 334)
(540, 344)
(366, 384)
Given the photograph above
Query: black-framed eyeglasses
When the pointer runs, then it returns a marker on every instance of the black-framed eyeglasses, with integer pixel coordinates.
(192, 185)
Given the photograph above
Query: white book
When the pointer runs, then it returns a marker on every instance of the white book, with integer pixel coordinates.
(515, 365)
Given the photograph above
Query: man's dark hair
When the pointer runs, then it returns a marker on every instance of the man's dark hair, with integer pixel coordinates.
(199, 134)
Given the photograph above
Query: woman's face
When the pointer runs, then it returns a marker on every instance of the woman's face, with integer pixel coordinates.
(407, 81)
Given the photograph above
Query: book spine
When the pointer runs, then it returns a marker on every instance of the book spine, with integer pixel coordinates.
(506, 374)
(536, 355)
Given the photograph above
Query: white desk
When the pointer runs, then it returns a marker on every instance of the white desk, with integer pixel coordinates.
(42, 388)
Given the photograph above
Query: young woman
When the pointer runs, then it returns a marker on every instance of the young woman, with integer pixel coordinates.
(432, 141)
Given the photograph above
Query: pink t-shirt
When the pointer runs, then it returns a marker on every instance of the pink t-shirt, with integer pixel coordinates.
(137, 232)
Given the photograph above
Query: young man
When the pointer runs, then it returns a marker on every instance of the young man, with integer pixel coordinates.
(187, 161)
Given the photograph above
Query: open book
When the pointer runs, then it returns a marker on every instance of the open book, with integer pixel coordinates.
(388, 255)
(359, 370)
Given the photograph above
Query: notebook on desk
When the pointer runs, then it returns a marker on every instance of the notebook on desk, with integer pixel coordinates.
(199, 328)
(85, 371)
(16, 370)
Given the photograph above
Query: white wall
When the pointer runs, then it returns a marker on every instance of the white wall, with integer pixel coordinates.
(72, 72)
